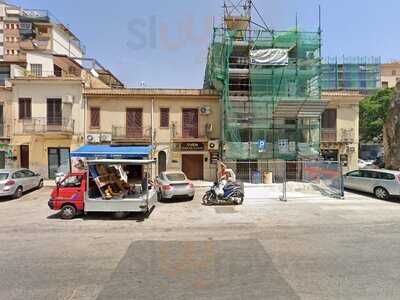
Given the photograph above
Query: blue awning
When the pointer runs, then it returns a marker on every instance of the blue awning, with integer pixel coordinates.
(112, 152)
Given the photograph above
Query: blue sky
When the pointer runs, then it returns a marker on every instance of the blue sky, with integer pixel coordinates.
(164, 43)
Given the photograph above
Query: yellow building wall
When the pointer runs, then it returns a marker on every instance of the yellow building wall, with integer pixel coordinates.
(39, 91)
(348, 118)
(113, 113)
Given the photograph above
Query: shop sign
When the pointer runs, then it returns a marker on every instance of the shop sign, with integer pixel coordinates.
(192, 146)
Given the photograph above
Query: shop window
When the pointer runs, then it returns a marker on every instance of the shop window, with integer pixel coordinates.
(95, 117)
(164, 117)
(25, 110)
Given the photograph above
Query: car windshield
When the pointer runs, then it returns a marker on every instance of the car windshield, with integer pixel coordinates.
(3, 176)
(175, 177)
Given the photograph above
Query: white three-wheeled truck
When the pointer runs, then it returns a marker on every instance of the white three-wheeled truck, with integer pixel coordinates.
(106, 185)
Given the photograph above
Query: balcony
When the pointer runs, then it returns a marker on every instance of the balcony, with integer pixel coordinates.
(328, 135)
(345, 136)
(45, 126)
(42, 45)
(123, 135)
(5, 131)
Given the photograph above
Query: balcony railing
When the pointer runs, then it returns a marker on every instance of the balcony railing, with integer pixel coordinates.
(5, 131)
(45, 125)
(121, 133)
(47, 74)
(328, 135)
(333, 136)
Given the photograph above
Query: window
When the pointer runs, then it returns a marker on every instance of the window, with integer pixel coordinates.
(369, 174)
(164, 117)
(394, 73)
(25, 111)
(18, 175)
(354, 174)
(386, 176)
(95, 117)
(134, 122)
(72, 181)
(57, 71)
(385, 84)
(36, 69)
(328, 119)
(190, 125)
(28, 173)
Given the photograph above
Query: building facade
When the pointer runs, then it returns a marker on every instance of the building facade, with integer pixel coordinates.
(182, 126)
(340, 128)
(390, 74)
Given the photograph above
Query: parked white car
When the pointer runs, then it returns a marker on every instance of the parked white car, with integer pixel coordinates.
(16, 182)
(382, 183)
(174, 184)
(362, 164)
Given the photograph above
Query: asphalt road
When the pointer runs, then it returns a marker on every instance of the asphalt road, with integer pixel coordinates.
(304, 249)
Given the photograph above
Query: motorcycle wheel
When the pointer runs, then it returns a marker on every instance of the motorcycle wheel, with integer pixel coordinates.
(239, 197)
(207, 198)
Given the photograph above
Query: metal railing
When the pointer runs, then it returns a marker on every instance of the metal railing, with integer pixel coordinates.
(126, 133)
(5, 131)
(285, 180)
(46, 74)
(45, 125)
(328, 135)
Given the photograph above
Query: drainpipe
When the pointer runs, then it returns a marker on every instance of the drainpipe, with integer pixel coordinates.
(85, 110)
(152, 122)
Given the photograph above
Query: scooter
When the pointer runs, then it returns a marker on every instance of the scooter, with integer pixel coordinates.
(231, 193)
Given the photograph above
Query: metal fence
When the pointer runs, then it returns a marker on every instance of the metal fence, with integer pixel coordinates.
(285, 180)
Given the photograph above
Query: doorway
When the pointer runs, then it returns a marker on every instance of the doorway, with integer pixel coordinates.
(192, 166)
(58, 161)
(162, 162)
(24, 156)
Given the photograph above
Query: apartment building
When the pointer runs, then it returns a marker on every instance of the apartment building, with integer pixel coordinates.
(390, 74)
(345, 83)
(182, 126)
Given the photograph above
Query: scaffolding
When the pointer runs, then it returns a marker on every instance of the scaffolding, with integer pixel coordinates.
(351, 73)
(270, 88)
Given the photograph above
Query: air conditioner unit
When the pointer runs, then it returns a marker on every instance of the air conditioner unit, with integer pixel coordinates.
(69, 99)
(106, 138)
(93, 138)
(205, 110)
(213, 145)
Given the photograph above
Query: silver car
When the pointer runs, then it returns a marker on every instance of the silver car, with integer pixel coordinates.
(174, 184)
(15, 182)
(382, 183)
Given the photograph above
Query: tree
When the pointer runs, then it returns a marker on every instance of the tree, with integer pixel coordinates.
(373, 115)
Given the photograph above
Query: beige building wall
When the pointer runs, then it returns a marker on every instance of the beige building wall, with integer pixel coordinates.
(41, 138)
(347, 126)
(390, 74)
(113, 114)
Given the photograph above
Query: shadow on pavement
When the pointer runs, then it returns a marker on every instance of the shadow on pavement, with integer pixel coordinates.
(134, 216)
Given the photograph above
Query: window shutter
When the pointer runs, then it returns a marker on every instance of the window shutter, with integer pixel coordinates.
(94, 117)
(164, 117)
(24, 108)
(190, 125)
(134, 122)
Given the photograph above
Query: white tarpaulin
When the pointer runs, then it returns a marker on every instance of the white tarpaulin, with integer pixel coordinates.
(273, 57)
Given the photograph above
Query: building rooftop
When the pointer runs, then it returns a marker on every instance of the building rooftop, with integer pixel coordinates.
(150, 92)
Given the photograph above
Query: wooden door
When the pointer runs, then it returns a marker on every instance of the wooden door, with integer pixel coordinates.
(134, 122)
(192, 166)
(190, 122)
(24, 156)
(54, 112)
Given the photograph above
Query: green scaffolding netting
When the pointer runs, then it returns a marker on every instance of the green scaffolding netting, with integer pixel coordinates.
(254, 93)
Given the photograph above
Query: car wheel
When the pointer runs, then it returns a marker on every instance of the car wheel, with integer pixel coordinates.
(18, 192)
(381, 193)
(40, 185)
(68, 212)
